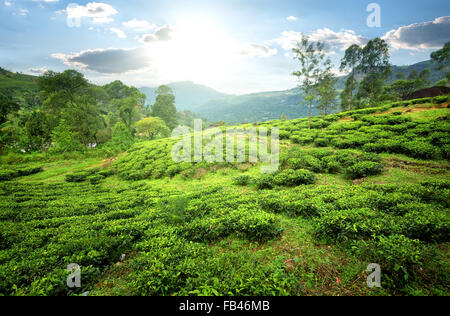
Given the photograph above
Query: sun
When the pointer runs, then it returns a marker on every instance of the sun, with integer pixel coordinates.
(199, 51)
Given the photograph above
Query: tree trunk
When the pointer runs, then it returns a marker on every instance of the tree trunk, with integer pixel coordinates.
(351, 91)
(309, 119)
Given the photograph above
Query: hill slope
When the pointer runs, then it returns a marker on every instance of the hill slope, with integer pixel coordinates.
(187, 94)
(146, 225)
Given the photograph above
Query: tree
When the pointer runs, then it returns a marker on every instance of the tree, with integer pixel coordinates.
(313, 67)
(442, 56)
(350, 61)
(400, 75)
(6, 107)
(401, 88)
(37, 131)
(122, 138)
(84, 119)
(413, 75)
(64, 139)
(151, 127)
(376, 68)
(423, 79)
(127, 109)
(164, 107)
(327, 93)
(57, 89)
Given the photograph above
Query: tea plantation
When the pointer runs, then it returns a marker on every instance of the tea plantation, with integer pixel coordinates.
(359, 187)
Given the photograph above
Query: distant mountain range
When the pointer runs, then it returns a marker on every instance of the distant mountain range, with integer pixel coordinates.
(187, 94)
(215, 106)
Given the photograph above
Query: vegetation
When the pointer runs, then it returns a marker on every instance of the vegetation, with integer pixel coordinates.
(87, 177)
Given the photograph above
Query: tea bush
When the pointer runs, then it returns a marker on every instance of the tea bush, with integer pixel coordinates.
(292, 178)
(242, 180)
(364, 169)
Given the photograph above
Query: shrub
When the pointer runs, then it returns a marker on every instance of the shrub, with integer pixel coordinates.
(95, 179)
(364, 169)
(291, 177)
(242, 180)
(321, 142)
(265, 182)
(421, 149)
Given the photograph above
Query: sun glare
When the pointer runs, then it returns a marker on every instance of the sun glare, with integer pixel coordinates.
(199, 52)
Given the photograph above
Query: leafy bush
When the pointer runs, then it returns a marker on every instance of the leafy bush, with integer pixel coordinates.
(364, 169)
(10, 174)
(264, 182)
(421, 149)
(291, 178)
(242, 180)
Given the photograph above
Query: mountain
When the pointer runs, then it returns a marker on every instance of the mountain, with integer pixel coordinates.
(436, 75)
(271, 105)
(255, 107)
(187, 94)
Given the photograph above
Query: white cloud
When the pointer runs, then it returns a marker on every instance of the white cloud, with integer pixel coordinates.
(47, 1)
(118, 32)
(7, 3)
(257, 50)
(37, 71)
(292, 18)
(23, 12)
(100, 13)
(332, 40)
(107, 61)
(417, 36)
(139, 25)
(163, 33)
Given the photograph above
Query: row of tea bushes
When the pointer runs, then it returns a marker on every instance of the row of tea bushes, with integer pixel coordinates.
(397, 226)
(46, 227)
(8, 174)
(391, 133)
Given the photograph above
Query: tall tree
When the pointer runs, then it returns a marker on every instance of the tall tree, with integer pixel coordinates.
(376, 68)
(57, 89)
(350, 61)
(442, 56)
(314, 65)
(164, 106)
(327, 93)
(7, 106)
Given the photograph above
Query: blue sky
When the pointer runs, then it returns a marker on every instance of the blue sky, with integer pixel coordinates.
(233, 46)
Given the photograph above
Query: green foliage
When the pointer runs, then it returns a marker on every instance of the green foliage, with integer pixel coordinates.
(242, 180)
(63, 139)
(12, 173)
(164, 107)
(364, 169)
(151, 127)
(292, 178)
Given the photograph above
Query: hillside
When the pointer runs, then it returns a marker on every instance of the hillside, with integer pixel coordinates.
(187, 94)
(255, 107)
(263, 106)
(360, 187)
(22, 88)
